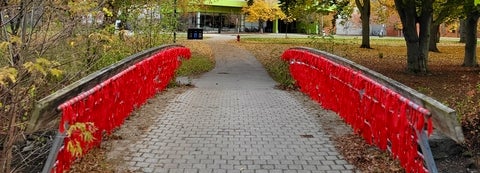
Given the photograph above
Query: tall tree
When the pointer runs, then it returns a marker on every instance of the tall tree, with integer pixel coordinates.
(444, 11)
(462, 31)
(411, 13)
(286, 6)
(262, 11)
(314, 11)
(364, 8)
(472, 13)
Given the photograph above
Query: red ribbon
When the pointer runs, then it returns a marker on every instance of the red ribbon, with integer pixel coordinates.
(380, 115)
(109, 103)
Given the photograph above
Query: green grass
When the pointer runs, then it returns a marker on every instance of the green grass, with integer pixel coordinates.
(280, 72)
(379, 41)
(195, 66)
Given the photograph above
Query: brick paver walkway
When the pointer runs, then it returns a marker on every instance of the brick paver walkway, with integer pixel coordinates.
(235, 121)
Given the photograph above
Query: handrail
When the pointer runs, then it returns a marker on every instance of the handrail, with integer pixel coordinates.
(383, 111)
(45, 109)
(106, 99)
(444, 118)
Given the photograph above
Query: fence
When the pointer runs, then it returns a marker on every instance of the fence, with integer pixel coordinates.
(100, 102)
(384, 112)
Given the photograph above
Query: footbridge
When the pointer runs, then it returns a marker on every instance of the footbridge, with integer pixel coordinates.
(235, 120)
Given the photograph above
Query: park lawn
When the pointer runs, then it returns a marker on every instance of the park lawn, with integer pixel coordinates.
(448, 82)
(201, 61)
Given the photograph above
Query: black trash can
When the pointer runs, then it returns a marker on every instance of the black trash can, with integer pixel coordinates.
(195, 33)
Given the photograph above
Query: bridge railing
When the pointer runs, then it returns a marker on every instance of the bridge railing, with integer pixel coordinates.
(100, 102)
(384, 112)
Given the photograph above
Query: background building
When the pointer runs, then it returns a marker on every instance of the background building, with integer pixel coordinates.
(217, 16)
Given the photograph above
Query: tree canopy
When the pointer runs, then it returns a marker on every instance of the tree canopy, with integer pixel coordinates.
(445, 11)
(315, 11)
(262, 11)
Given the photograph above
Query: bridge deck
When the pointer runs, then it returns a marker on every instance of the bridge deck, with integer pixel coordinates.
(234, 120)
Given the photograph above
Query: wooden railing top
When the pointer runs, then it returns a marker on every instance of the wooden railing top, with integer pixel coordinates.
(444, 118)
(45, 110)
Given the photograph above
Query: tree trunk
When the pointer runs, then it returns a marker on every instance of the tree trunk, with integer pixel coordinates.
(407, 15)
(220, 24)
(434, 37)
(417, 42)
(462, 31)
(470, 59)
(7, 151)
(260, 26)
(426, 19)
(365, 16)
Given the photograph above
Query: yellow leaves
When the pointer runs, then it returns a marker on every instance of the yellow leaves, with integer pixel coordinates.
(44, 62)
(15, 39)
(453, 27)
(107, 12)
(32, 67)
(382, 10)
(74, 148)
(4, 45)
(4, 51)
(263, 10)
(44, 67)
(80, 131)
(289, 19)
(85, 130)
(398, 26)
(100, 37)
(8, 74)
(36, 67)
(56, 72)
(32, 91)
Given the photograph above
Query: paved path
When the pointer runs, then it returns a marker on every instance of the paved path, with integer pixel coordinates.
(235, 121)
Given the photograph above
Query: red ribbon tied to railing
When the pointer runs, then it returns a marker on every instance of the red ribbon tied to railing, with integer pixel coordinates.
(109, 103)
(380, 115)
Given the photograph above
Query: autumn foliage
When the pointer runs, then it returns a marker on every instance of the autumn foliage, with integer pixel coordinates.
(262, 11)
(46, 45)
